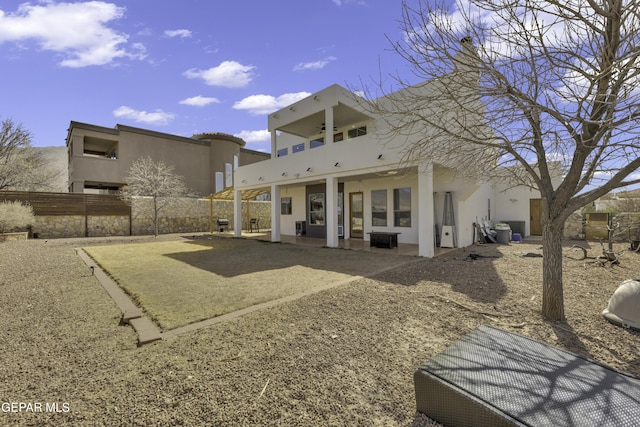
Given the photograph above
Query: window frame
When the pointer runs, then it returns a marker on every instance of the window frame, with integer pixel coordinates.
(402, 215)
(380, 217)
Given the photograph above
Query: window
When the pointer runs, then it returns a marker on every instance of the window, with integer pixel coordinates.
(219, 182)
(316, 209)
(285, 206)
(402, 207)
(356, 132)
(337, 137)
(316, 143)
(297, 148)
(228, 175)
(283, 152)
(379, 208)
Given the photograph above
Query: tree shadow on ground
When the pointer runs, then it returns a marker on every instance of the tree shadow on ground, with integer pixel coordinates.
(469, 271)
(234, 257)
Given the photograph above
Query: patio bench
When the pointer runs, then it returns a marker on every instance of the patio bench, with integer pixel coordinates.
(383, 239)
(492, 377)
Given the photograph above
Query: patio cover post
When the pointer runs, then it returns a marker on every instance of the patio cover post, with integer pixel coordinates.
(275, 213)
(237, 213)
(425, 210)
(332, 212)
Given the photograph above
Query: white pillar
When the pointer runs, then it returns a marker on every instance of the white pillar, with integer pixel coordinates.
(275, 213)
(332, 212)
(328, 125)
(274, 150)
(237, 213)
(425, 211)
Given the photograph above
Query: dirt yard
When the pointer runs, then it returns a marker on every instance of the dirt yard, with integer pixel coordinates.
(342, 356)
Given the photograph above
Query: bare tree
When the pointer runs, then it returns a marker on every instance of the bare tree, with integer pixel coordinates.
(156, 180)
(22, 167)
(535, 87)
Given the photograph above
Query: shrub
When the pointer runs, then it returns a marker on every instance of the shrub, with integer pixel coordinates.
(15, 216)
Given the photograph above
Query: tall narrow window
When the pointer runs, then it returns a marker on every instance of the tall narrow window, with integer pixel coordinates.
(219, 182)
(379, 208)
(402, 207)
(228, 175)
(285, 206)
(316, 209)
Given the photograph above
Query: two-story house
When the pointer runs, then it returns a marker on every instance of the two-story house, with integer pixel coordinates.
(100, 157)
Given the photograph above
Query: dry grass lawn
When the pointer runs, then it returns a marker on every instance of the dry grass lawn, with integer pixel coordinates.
(181, 282)
(344, 356)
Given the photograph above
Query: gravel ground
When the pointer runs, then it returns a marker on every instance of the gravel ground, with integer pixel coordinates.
(344, 356)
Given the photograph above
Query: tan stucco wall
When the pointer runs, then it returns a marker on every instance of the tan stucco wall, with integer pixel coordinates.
(197, 159)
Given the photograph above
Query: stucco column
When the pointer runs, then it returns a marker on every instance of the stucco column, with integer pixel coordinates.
(425, 210)
(328, 125)
(275, 213)
(332, 212)
(237, 213)
(274, 151)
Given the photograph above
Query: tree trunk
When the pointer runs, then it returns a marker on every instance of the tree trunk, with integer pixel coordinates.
(552, 292)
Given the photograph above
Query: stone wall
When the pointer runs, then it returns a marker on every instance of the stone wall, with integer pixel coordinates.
(195, 215)
(58, 226)
(9, 237)
(185, 216)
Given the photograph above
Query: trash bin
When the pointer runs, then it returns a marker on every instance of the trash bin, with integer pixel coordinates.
(502, 236)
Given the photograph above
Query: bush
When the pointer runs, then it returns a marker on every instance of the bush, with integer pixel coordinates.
(14, 216)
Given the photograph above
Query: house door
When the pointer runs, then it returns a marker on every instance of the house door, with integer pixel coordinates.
(535, 215)
(356, 215)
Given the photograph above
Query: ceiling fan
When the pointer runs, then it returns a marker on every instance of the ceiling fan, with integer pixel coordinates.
(324, 127)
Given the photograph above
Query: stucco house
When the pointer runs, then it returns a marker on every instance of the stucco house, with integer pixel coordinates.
(334, 173)
(99, 157)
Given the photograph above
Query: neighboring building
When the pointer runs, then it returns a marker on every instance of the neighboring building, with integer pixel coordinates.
(335, 174)
(99, 158)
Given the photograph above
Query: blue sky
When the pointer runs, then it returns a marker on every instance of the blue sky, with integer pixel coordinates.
(184, 67)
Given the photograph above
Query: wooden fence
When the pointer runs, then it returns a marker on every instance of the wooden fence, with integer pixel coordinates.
(61, 204)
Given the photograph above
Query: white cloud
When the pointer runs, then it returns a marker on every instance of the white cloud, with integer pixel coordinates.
(75, 30)
(178, 33)
(229, 74)
(157, 117)
(341, 2)
(255, 136)
(265, 104)
(259, 140)
(199, 101)
(317, 65)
